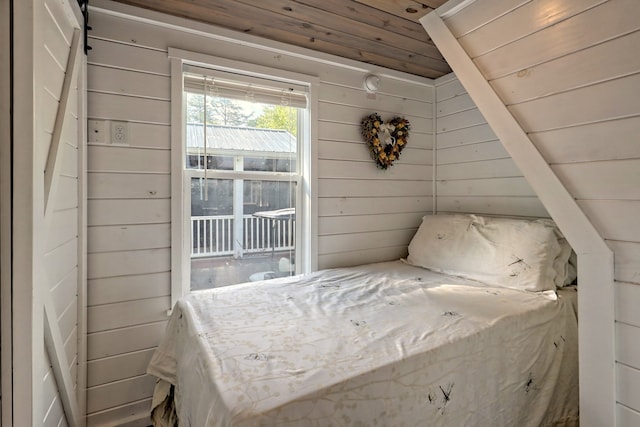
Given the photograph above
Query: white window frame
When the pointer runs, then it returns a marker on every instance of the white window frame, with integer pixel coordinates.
(306, 228)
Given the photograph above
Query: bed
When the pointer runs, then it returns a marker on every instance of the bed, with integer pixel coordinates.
(413, 342)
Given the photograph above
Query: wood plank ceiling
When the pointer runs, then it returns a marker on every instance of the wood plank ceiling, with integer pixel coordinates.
(379, 32)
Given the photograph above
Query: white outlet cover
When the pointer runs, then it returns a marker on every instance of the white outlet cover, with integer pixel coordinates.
(119, 132)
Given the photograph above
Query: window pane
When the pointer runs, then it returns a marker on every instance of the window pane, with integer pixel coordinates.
(196, 161)
(269, 164)
(286, 165)
(211, 197)
(262, 164)
(241, 229)
(268, 195)
(266, 235)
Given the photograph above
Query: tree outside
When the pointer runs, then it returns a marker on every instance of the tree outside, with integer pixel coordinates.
(220, 111)
(227, 112)
(277, 117)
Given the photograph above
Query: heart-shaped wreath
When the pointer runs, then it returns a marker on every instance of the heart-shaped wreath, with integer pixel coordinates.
(386, 140)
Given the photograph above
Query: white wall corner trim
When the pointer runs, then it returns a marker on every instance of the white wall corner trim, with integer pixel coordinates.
(595, 258)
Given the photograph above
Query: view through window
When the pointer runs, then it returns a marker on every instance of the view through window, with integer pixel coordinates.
(242, 137)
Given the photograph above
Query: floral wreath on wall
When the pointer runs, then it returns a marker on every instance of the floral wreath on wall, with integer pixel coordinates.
(385, 140)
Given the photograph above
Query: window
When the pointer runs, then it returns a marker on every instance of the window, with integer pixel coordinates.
(244, 171)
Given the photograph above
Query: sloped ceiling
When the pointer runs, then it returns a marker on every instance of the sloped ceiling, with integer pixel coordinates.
(379, 32)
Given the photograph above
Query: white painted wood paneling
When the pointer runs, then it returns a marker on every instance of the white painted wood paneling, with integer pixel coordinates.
(128, 211)
(339, 150)
(469, 17)
(472, 152)
(474, 173)
(584, 143)
(61, 249)
(67, 193)
(124, 288)
(130, 313)
(129, 185)
(627, 261)
(585, 180)
(628, 386)
(466, 118)
(351, 187)
(561, 39)
(358, 224)
(141, 135)
(626, 417)
(64, 226)
(347, 114)
(367, 170)
(128, 415)
(61, 261)
(626, 308)
(576, 106)
(347, 259)
(128, 237)
(122, 263)
(499, 168)
(468, 135)
(628, 344)
(125, 340)
(625, 227)
(47, 361)
(103, 185)
(127, 57)
(113, 158)
(64, 291)
(119, 393)
(493, 205)
(53, 413)
(532, 16)
(571, 77)
(106, 369)
(492, 187)
(127, 82)
(128, 108)
(580, 68)
(373, 205)
(358, 241)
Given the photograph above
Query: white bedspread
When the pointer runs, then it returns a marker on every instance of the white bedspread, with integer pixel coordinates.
(386, 344)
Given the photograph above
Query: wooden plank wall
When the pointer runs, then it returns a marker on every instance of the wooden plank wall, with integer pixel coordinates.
(61, 239)
(570, 74)
(365, 214)
(474, 173)
(53, 412)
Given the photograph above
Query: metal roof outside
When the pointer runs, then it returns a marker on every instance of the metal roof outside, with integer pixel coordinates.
(239, 138)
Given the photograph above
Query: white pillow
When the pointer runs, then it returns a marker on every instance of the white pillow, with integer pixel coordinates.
(516, 253)
(566, 268)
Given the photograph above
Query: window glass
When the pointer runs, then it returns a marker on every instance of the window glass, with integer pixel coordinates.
(242, 227)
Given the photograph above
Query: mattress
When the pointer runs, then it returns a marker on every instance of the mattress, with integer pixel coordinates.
(385, 344)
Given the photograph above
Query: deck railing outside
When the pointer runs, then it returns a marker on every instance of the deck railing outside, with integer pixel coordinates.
(213, 235)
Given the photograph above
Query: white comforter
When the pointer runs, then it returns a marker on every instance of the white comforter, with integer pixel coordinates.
(386, 344)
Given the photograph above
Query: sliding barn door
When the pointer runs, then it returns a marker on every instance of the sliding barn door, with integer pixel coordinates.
(48, 214)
